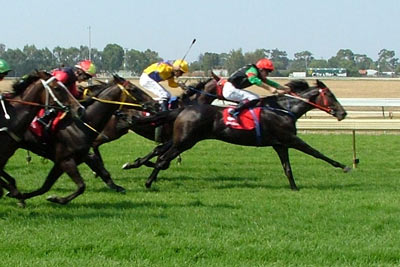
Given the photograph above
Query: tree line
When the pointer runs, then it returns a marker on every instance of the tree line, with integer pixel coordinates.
(114, 58)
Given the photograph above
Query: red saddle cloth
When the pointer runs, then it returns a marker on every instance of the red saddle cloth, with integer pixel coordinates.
(245, 120)
(37, 128)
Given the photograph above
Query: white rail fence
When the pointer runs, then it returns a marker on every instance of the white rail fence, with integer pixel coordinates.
(364, 119)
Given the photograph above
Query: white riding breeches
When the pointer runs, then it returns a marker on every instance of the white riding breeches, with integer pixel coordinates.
(231, 93)
(154, 87)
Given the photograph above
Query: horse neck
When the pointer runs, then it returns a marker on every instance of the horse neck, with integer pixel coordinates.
(297, 107)
(25, 113)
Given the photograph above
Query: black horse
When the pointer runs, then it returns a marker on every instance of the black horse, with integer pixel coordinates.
(70, 144)
(278, 127)
(120, 123)
(30, 94)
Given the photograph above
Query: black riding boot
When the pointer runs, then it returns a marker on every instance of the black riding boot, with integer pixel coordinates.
(46, 121)
(159, 130)
(243, 105)
(48, 117)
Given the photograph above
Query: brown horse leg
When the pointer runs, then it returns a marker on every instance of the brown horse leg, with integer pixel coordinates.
(51, 178)
(283, 153)
(96, 164)
(162, 163)
(159, 150)
(304, 147)
(69, 166)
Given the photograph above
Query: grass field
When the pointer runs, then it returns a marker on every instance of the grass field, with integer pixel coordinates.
(225, 205)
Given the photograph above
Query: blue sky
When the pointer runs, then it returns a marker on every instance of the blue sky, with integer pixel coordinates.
(168, 27)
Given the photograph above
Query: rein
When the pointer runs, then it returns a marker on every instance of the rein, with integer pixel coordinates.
(122, 102)
(322, 92)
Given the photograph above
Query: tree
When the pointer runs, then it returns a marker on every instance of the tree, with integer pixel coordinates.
(301, 61)
(137, 61)
(386, 60)
(209, 61)
(234, 61)
(363, 62)
(113, 57)
(344, 59)
(280, 59)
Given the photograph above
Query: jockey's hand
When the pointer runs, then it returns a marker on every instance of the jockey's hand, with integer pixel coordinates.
(183, 86)
(280, 91)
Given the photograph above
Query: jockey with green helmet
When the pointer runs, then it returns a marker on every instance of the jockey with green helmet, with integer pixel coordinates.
(4, 69)
(251, 74)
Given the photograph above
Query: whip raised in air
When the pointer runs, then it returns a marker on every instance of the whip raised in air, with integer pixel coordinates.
(194, 40)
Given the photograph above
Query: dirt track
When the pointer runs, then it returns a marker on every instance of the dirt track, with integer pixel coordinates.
(343, 88)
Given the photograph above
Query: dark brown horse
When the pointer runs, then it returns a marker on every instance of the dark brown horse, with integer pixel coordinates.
(278, 127)
(33, 92)
(120, 123)
(70, 145)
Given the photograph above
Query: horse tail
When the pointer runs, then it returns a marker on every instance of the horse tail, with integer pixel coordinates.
(158, 118)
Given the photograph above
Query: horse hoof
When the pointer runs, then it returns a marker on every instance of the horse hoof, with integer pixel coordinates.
(21, 204)
(55, 199)
(148, 185)
(120, 189)
(126, 166)
(347, 169)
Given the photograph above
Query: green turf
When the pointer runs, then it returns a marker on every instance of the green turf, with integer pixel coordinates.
(225, 205)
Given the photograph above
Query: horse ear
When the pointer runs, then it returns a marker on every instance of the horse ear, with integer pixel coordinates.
(118, 79)
(320, 84)
(215, 76)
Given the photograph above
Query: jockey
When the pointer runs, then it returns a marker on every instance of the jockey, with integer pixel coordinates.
(163, 71)
(4, 69)
(82, 71)
(245, 77)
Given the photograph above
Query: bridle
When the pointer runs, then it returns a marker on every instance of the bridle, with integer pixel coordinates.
(322, 93)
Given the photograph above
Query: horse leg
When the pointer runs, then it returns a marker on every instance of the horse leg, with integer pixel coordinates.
(51, 178)
(69, 166)
(304, 147)
(283, 153)
(96, 164)
(162, 163)
(10, 186)
(158, 150)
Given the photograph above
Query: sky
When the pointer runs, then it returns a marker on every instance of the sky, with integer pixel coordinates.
(322, 27)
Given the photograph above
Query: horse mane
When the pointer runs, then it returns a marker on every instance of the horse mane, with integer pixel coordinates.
(298, 85)
(20, 85)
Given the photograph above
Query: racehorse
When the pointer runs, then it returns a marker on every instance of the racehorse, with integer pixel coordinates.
(120, 123)
(278, 127)
(30, 94)
(71, 142)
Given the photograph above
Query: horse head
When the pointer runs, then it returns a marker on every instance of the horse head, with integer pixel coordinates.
(194, 92)
(135, 95)
(319, 96)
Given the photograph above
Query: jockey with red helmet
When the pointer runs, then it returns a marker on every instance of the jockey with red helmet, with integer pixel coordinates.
(83, 71)
(247, 76)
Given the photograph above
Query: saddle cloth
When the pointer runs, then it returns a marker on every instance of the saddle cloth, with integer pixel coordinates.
(37, 128)
(245, 119)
